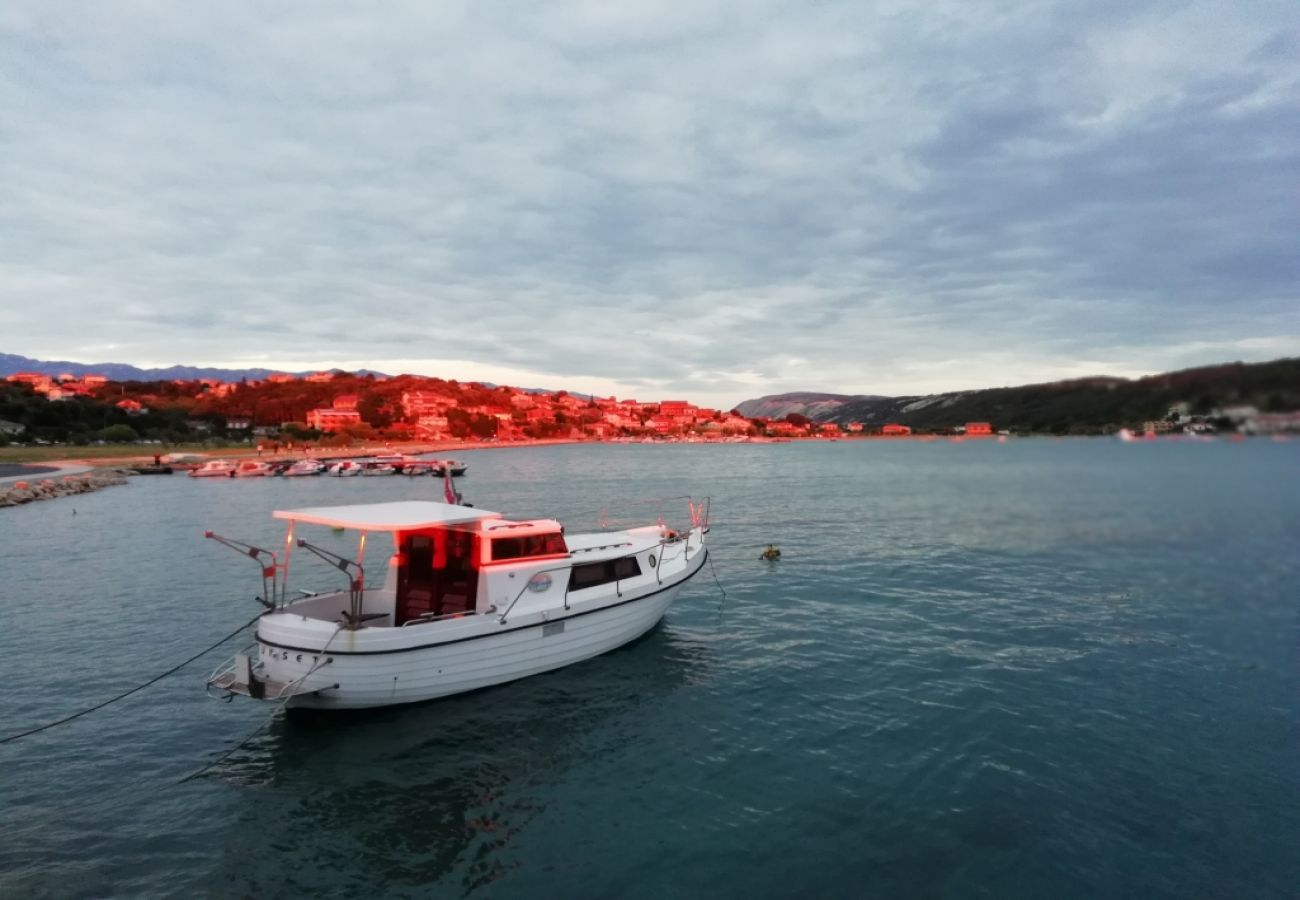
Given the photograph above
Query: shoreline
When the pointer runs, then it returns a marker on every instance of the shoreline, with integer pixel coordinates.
(130, 457)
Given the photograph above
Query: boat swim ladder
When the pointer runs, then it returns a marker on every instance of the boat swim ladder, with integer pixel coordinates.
(353, 617)
(273, 593)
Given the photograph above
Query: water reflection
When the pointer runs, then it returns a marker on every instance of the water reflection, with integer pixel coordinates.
(407, 795)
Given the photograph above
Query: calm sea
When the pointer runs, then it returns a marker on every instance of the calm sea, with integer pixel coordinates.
(1033, 669)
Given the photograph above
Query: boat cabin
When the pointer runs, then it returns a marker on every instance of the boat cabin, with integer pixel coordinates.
(438, 568)
(441, 553)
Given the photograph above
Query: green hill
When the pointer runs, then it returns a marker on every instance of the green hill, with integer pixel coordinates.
(1081, 406)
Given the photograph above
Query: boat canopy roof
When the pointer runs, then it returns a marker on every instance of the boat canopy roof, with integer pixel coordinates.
(401, 515)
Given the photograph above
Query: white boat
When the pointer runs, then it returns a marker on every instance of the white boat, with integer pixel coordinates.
(214, 468)
(304, 467)
(440, 467)
(251, 468)
(469, 599)
(344, 468)
(377, 468)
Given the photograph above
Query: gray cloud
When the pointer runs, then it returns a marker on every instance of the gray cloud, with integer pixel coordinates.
(714, 200)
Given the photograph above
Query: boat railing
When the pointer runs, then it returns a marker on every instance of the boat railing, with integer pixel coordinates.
(629, 512)
(501, 619)
(430, 617)
(673, 539)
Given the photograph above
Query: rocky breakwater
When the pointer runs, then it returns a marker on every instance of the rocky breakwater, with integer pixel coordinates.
(19, 492)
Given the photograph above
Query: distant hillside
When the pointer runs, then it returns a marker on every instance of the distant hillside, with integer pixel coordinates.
(821, 407)
(1084, 405)
(11, 363)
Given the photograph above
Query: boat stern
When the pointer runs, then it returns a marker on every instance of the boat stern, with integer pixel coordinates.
(247, 677)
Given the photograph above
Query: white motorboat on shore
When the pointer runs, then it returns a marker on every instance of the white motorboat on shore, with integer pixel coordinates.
(469, 599)
(344, 468)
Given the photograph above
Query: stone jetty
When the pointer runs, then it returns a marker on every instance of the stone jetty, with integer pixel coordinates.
(16, 493)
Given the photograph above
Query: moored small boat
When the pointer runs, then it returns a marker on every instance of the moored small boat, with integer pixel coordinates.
(214, 468)
(251, 468)
(304, 467)
(440, 467)
(469, 599)
(344, 468)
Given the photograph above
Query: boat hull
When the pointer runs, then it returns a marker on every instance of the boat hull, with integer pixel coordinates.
(337, 671)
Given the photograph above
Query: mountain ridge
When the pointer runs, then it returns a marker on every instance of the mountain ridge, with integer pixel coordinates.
(11, 363)
(1076, 405)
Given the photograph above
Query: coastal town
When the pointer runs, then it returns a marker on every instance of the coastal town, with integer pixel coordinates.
(337, 409)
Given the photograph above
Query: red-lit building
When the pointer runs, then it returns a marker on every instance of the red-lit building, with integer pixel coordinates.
(977, 428)
(332, 419)
(892, 429)
(424, 403)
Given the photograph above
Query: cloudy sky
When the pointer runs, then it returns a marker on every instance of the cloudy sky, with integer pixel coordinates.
(703, 200)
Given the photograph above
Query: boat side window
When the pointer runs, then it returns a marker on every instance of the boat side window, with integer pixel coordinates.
(527, 546)
(597, 573)
(509, 548)
(553, 543)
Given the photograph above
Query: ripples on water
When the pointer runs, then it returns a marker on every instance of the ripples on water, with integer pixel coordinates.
(1059, 668)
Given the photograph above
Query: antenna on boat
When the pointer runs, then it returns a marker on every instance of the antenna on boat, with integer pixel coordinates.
(271, 595)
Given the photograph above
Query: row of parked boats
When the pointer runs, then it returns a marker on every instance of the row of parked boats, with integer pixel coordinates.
(342, 468)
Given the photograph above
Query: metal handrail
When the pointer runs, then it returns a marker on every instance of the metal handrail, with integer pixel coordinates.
(602, 512)
(501, 620)
(663, 542)
(428, 617)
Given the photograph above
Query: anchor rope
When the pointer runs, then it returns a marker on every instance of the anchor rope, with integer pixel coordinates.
(125, 694)
(284, 699)
(714, 573)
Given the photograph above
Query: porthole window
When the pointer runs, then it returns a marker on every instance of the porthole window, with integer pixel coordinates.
(652, 559)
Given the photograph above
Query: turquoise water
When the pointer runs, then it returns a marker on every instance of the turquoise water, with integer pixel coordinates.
(1040, 668)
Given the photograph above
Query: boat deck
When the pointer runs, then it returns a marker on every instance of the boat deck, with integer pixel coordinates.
(610, 544)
